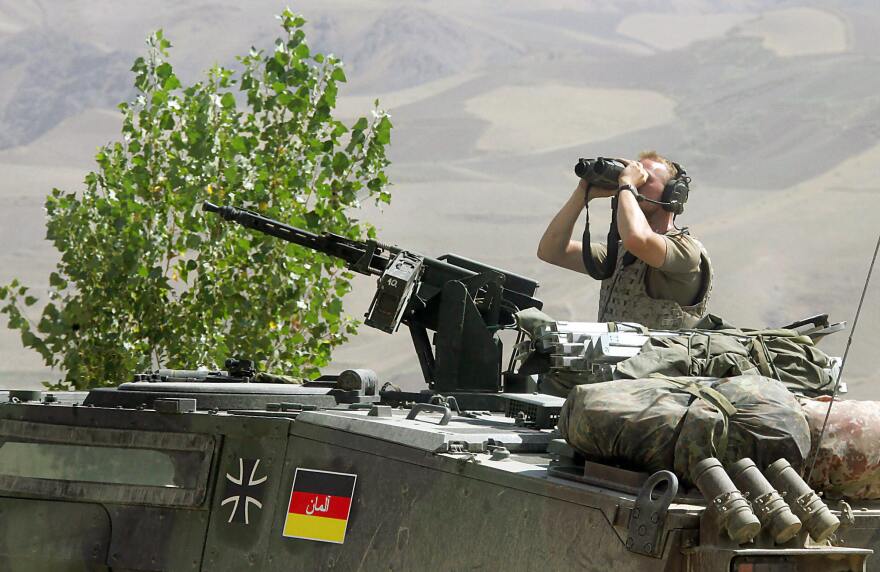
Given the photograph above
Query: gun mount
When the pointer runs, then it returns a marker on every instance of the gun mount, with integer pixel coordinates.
(464, 302)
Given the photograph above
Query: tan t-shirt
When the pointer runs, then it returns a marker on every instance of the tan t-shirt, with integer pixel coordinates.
(679, 278)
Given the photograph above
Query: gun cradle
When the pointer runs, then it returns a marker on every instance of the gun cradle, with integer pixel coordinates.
(396, 286)
(468, 354)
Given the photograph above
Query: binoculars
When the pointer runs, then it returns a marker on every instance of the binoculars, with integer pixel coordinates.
(600, 172)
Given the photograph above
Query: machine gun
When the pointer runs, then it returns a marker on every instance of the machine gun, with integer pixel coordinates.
(465, 303)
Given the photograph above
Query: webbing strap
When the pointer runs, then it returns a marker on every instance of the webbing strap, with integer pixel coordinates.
(714, 398)
(606, 269)
(759, 352)
(765, 361)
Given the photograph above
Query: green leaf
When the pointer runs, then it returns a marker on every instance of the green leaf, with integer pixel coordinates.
(360, 124)
(301, 51)
(193, 241)
(28, 339)
(335, 307)
(239, 144)
(227, 101)
(338, 75)
(171, 83)
(163, 70)
(340, 163)
(383, 131)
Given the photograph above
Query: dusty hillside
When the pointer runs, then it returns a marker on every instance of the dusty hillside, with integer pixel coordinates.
(773, 108)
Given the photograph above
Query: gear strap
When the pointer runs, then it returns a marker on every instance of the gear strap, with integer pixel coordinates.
(714, 398)
(608, 266)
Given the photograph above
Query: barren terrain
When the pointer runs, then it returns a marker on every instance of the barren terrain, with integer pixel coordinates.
(772, 107)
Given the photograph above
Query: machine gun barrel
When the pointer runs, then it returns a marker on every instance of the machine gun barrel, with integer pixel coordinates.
(370, 257)
(358, 256)
(463, 301)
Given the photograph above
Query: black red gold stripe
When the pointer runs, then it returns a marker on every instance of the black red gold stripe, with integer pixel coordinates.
(320, 504)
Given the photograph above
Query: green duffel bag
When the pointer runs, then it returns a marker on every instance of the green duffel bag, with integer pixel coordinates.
(671, 423)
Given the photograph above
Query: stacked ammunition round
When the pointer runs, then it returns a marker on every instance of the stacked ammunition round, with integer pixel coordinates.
(733, 509)
(768, 504)
(804, 502)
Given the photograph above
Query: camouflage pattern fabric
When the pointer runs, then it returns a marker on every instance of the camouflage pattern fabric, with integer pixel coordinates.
(653, 424)
(768, 424)
(633, 424)
(701, 354)
(780, 354)
(800, 365)
(848, 458)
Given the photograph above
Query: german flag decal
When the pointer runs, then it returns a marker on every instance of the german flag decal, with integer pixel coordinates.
(320, 502)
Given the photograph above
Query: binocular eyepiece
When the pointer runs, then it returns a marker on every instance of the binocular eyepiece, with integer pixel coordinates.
(600, 172)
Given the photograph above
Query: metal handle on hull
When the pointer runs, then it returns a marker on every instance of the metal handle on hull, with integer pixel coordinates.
(423, 407)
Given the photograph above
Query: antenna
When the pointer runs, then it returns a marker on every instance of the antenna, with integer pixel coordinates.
(843, 362)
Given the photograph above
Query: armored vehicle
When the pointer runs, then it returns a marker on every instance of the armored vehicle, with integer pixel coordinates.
(192, 470)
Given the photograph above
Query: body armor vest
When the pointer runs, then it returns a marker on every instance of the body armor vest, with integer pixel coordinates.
(624, 297)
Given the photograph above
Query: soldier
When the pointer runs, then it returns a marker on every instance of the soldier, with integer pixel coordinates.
(661, 276)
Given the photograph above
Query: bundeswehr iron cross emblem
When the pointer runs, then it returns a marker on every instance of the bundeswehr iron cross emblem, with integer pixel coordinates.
(244, 490)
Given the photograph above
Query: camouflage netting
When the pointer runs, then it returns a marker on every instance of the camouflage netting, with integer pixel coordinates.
(848, 458)
(652, 424)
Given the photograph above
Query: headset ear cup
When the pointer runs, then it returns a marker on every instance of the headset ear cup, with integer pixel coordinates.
(675, 194)
(681, 195)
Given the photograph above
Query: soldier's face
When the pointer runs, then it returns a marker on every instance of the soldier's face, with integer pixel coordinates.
(658, 175)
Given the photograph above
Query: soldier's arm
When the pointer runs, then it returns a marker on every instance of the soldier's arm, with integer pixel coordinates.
(556, 246)
(637, 235)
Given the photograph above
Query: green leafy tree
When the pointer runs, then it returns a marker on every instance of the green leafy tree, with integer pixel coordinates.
(146, 279)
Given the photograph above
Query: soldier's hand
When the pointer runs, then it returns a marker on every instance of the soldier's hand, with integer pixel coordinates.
(587, 192)
(600, 193)
(634, 174)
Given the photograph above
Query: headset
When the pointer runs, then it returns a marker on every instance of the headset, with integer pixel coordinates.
(675, 193)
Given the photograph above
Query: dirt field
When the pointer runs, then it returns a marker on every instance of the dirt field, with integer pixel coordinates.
(774, 112)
